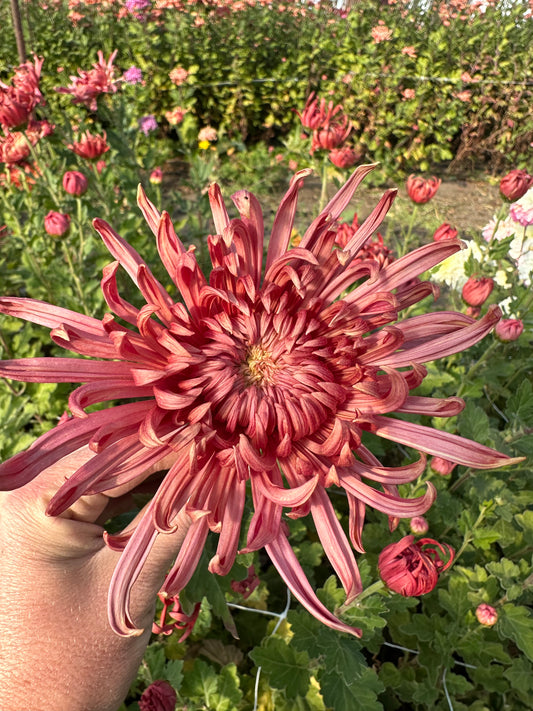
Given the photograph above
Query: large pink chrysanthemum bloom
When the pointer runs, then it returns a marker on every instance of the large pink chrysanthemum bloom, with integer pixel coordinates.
(261, 377)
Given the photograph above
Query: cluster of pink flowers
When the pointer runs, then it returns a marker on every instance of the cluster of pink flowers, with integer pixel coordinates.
(19, 98)
(175, 115)
(89, 85)
(178, 75)
(330, 128)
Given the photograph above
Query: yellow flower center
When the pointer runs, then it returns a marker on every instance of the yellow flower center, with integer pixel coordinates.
(259, 368)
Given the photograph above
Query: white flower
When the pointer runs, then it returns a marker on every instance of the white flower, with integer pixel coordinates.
(501, 277)
(452, 270)
(499, 229)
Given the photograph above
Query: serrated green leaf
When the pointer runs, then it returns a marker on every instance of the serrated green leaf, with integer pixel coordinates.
(229, 693)
(525, 521)
(516, 623)
(473, 423)
(155, 659)
(506, 571)
(520, 675)
(520, 404)
(173, 673)
(360, 694)
(200, 682)
(286, 667)
(305, 629)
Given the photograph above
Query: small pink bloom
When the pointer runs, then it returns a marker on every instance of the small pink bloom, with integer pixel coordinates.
(408, 94)
(445, 231)
(317, 115)
(159, 696)
(409, 51)
(515, 184)
(477, 290)
(56, 223)
(442, 466)
(486, 615)
(293, 165)
(421, 190)
(178, 75)
(207, 133)
(156, 176)
(521, 211)
(380, 33)
(100, 165)
(419, 525)
(465, 95)
(509, 329)
(175, 116)
(410, 568)
(75, 183)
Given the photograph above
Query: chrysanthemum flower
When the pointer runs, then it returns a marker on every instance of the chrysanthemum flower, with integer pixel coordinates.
(262, 378)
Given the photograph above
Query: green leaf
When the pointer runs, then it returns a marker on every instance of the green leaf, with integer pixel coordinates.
(520, 404)
(520, 675)
(200, 682)
(358, 695)
(507, 572)
(173, 673)
(515, 623)
(286, 667)
(155, 659)
(229, 693)
(473, 423)
(525, 521)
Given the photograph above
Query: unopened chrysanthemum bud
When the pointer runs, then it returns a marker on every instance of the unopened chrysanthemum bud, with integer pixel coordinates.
(477, 290)
(419, 525)
(156, 176)
(509, 329)
(515, 184)
(75, 183)
(421, 190)
(56, 223)
(445, 231)
(442, 466)
(486, 615)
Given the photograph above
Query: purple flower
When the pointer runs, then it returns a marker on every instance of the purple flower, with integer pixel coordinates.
(133, 75)
(147, 124)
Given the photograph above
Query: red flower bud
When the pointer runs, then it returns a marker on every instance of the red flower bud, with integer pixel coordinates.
(410, 568)
(486, 615)
(156, 176)
(477, 290)
(159, 696)
(442, 466)
(75, 183)
(509, 329)
(445, 231)
(344, 157)
(421, 190)
(515, 184)
(56, 223)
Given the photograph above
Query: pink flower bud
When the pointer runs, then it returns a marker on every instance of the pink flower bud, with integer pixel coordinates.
(445, 231)
(486, 615)
(477, 290)
(159, 696)
(344, 157)
(442, 466)
(56, 223)
(419, 525)
(75, 183)
(421, 190)
(515, 184)
(509, 329)
(156, 176)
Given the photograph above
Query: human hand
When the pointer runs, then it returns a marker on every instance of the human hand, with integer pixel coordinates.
(57, 649)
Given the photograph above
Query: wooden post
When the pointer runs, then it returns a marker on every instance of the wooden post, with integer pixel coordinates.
(17, 26)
